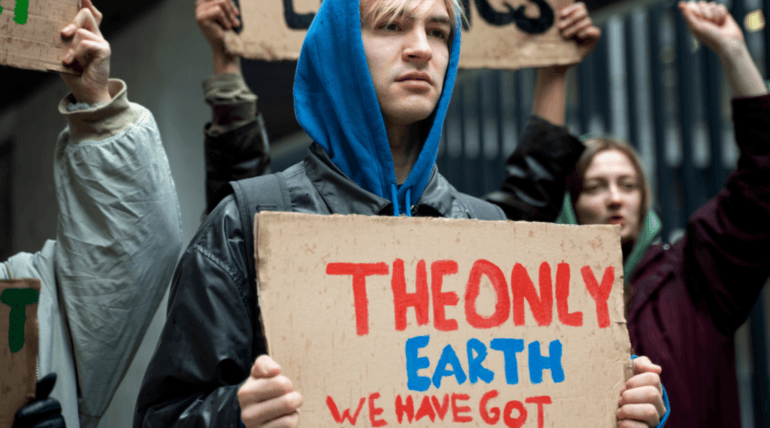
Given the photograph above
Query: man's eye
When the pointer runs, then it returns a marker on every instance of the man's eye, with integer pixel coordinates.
(390, 26)
(438, 33)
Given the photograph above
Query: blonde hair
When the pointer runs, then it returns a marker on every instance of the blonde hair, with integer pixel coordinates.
(378, 9)
(594, 146)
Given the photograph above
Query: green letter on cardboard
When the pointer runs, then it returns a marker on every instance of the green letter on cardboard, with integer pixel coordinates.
(18, 299)
(20, 12)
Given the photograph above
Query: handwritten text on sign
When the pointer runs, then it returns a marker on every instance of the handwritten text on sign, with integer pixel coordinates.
(501, 323)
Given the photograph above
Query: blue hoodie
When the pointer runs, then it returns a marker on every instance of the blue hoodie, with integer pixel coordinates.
(335, 103)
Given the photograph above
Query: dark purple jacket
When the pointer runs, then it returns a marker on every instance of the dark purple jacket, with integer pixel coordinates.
(690, 297)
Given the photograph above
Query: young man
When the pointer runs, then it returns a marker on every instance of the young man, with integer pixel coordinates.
(372, 88)
(119, 233)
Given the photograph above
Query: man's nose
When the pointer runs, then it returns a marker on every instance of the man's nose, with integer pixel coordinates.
(417, 46)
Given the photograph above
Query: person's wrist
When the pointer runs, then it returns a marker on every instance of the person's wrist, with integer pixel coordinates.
(733, 52)
(555, 71)
(225, 63)
(101, 96)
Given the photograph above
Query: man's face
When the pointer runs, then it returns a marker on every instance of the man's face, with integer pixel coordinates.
(611, 194)
(407, 57)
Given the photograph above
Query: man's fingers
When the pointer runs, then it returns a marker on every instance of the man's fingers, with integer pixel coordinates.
(640, 412)
(630, 423)
(644, 395)
(264, 366)
(87, 4)
(258, 390)
(216, 13)
(589, 34)
(644, 379)
(568, 10)
(87, 50)
(576, 28)
(272, 409)
(573, 17)
(83, 19)
(644, 365)
(288, 421)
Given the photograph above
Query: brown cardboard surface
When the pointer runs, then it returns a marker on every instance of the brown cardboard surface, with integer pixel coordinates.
(267, 36)
(17, 369)
(36, 44)
(340, 361)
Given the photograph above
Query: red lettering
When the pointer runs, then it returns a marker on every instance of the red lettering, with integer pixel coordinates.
(456, 410)
(514, 422)
(540, 401)
(359, 271)
(438, 270)
(420, 300)
(574, 319)
(600, 293)
(503, 305)
(426, 409)
(523, 288)
(485, 415)
(442, 408)
(374, 411)
(407, 408)
(346, 413)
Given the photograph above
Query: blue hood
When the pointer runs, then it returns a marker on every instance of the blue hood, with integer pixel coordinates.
(335, 103)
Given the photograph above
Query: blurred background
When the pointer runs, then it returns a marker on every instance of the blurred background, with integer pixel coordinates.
(648, 82)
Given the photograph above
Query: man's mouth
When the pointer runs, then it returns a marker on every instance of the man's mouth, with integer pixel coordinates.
(616, 219)
(416, 75)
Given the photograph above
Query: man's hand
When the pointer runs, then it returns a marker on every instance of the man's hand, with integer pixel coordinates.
(215, 17)
(641, 402)
(267, 398)
(575, 24)
(712, 25)
(89, 55)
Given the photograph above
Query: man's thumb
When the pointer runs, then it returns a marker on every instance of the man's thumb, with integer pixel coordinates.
(265, 367)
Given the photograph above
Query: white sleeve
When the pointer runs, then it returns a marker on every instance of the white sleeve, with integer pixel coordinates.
(118, 237)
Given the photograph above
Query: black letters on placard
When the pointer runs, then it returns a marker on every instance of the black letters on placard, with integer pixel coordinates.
(537, 25)
(294, 20)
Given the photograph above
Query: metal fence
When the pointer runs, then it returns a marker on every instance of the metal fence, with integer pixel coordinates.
(649, 83)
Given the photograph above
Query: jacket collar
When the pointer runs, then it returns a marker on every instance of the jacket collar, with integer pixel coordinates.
(343, 196)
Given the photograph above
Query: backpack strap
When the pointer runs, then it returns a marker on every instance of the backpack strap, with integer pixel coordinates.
(255, 194)
(481, 210)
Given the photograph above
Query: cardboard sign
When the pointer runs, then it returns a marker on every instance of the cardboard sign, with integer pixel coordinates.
(393, 321)
(18, 345)
(504, 34)
(30, 31)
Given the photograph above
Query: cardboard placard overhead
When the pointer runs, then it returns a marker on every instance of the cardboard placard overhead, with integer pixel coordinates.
(499, 36)
(18, 345)
(436, 322)
(30, 31)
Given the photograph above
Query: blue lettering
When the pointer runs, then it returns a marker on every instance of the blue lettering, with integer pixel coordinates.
(509, 348)
(476, 369)
(538, 363)
(448, 358)
(414, 363)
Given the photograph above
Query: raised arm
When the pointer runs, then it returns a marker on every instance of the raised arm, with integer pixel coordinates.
(236, 143)
(726, 249)
(535, 172)
(119, 232)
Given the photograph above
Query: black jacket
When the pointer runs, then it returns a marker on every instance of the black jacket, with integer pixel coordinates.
(212, 333)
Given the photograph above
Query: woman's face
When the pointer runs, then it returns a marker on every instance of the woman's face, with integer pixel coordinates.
(612, 194)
